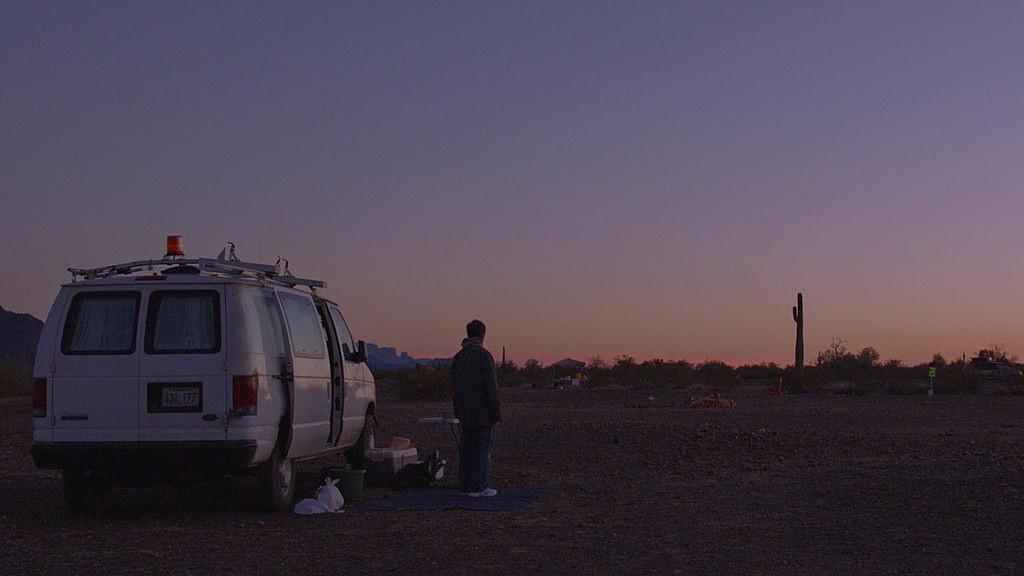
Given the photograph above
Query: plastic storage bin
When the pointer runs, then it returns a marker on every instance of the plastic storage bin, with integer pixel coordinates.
(382, 463)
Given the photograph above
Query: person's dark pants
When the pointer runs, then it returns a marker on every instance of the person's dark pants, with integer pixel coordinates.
(475, 447)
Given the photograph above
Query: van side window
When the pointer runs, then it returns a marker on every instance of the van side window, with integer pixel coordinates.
(344, 336)
(183, 322)
(304, 326)
(101, 323)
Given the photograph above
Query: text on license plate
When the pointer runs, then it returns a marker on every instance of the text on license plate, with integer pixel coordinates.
(180, 397)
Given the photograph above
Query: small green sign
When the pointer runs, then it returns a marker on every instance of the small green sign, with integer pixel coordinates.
(931, 372)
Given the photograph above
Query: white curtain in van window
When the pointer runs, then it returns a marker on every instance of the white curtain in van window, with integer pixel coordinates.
(104, 324)
(185, 322)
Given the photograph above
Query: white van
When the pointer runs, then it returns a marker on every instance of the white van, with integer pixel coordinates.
(173, 370)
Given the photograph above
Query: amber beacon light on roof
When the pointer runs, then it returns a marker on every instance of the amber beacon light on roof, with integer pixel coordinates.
(174, 247)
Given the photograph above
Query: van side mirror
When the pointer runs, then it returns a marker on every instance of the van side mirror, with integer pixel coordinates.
(359, 355)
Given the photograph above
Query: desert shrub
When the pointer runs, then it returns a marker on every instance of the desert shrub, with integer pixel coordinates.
(715, 372)
(625, 372)
(952, 379)
(598, 377)
(810, 379)
(14, 380)
(424, 383)
(769, 371)
(650, 374)
(533, 372)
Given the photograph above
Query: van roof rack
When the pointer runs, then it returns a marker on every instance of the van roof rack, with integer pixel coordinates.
(212, 266)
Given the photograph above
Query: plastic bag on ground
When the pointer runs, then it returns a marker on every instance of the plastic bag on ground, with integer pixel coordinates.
(329, 494)
(327, 499)
(310, 506)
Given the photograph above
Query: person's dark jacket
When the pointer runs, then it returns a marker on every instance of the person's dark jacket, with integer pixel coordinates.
(475, 385)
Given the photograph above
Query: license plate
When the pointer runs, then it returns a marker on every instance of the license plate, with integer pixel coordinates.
(175, 397)
(180, 397)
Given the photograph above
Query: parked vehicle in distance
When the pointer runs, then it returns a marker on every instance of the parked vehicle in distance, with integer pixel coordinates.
(991, 370)
(174, 370)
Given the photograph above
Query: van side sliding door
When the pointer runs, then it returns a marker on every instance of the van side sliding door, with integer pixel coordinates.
(310, 392)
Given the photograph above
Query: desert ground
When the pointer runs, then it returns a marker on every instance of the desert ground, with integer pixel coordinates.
(635, 482)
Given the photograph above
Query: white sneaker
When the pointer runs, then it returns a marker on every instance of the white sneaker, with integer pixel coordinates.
(486, 492)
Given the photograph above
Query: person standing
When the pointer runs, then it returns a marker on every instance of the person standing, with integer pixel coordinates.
(475, 398)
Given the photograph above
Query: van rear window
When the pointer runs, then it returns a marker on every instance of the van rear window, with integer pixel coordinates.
(183, 322)
(101, 323)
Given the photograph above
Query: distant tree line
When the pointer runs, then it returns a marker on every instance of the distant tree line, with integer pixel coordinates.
(836, 369)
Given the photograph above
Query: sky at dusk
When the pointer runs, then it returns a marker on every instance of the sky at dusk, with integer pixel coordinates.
(651, 179)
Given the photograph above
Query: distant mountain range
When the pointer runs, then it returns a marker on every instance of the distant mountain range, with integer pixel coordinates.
(19, 335)
(391, 359)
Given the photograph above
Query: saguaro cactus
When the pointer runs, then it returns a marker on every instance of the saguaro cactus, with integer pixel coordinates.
(798, 317)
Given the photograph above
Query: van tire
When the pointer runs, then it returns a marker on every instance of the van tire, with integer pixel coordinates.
(367, 440)
(277, 480)
(86, 490)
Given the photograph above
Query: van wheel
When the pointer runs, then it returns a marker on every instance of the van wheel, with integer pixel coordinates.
(86, 490)
(367, 441)
(277, 481)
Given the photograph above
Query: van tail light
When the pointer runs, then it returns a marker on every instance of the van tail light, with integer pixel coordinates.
(243, 394)
(39, 398)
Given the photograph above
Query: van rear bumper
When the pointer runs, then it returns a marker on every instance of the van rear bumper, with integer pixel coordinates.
(148, 459)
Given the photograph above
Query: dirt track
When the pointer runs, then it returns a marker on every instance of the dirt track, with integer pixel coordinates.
(636, 483)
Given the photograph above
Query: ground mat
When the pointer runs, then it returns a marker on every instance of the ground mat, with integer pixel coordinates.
(450, 499)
